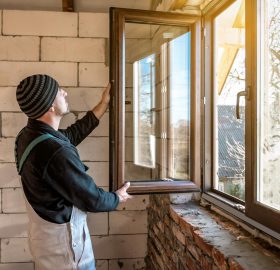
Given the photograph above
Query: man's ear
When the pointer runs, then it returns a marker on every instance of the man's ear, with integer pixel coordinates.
(51, 109)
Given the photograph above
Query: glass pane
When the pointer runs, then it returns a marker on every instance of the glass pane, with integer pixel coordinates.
(229, 66)
(153, 87)
(144, 105)
(179, 118)
(269, 104)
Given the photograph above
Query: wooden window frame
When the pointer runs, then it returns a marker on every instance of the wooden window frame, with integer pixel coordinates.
(257, 211)
(251, 211)
(118, 18)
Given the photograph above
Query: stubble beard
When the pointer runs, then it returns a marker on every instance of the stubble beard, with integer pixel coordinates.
(60, 112)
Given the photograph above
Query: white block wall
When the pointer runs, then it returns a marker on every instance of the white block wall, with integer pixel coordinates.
(72, 48)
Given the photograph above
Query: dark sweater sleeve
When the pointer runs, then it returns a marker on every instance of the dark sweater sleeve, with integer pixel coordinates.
(66, 174)
(78, 131)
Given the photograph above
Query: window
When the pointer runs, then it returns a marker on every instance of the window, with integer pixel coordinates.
(241, 119)
(268, 105)
(167, 133)
(154, 138)
(263, 78)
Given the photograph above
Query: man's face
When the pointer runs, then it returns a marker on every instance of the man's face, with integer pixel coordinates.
(60, 104)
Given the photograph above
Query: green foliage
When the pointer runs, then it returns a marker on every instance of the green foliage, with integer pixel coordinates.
(236, 190)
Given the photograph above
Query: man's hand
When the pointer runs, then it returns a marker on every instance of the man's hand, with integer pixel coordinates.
(101, 107)
(106, 94)
(123, 195)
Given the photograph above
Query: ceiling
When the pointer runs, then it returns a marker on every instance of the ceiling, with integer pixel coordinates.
(79, 5)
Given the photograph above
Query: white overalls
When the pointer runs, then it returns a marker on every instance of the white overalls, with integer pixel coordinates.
(58, 246)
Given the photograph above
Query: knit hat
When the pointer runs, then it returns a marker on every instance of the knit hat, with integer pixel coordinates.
(35, 94)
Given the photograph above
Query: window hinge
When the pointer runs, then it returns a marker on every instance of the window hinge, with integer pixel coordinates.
(163, 135)
(204, 100)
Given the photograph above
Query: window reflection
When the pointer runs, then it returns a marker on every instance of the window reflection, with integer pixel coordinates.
(157, 89)
(144, 107)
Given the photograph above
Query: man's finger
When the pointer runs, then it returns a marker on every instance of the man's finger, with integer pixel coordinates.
(125, 186)
(108, 87)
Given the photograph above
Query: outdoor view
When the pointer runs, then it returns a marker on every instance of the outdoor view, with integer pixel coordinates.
(144, 115)
(229, 141)
(179, 118)
(269, 103)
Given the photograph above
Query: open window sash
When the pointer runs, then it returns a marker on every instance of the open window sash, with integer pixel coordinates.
(144, 116)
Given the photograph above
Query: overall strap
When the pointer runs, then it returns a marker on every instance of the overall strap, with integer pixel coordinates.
(30, 147)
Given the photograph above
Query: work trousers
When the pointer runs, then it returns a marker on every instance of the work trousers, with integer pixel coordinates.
(60, 246)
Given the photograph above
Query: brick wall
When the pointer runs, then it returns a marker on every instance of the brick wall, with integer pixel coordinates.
(72, 47)
(190, 237)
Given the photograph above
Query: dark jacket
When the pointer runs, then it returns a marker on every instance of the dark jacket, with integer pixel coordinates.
(53, 176)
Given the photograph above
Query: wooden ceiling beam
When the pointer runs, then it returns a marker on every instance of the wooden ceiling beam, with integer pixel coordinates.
(68, 5)
(177, 4)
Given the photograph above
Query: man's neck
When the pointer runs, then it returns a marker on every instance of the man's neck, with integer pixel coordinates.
(51, 120)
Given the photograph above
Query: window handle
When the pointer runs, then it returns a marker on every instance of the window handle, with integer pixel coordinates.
(246, 94)
(154, 110)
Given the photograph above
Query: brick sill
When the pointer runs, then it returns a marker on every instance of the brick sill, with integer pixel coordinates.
(205, 232)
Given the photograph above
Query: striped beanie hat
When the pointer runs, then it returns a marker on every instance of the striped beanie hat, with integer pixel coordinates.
(35, 94)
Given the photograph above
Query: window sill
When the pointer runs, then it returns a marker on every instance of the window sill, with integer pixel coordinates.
(190, 236)
(231, 210)
(229, 246)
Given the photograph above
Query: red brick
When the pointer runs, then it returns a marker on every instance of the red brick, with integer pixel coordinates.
(161, 226)
(155, 229)
(191, 263)
(167, 221)
(219, 259)
(234, 265)
(171, 266)
(166, 260)
(169, 237)
(189, 229)
(202, 244)
(169, 252)
(206, 263)
(158, 245)
(174, 215)
(154, 255)
(193, 250)
(159, 261)
(179, 235)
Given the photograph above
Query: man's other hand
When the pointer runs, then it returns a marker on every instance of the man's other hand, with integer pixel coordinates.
(122, 192)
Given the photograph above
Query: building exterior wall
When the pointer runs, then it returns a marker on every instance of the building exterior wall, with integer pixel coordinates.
(73, 48)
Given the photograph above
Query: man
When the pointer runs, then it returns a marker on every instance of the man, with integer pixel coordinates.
(57, 188)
